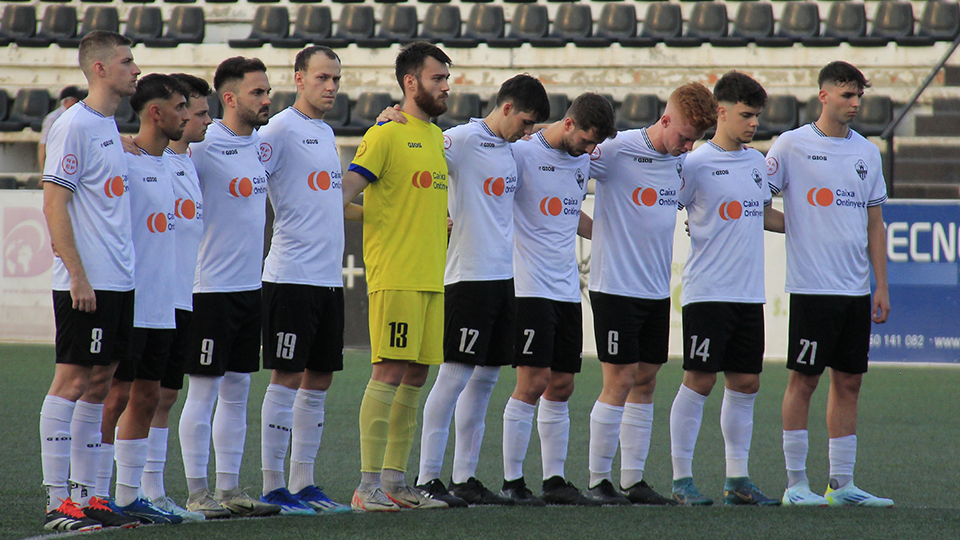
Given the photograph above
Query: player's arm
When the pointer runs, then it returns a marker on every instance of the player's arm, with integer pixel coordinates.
(41, 155)
(585, 228)
(772, 219)
(129, 146)
(353, 212)
(353, 184)
(392, 114)
(55, 200)
(877, 251)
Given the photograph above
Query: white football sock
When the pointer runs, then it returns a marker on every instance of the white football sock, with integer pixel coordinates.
(471, 414)
(195, 428)
(131, 458)
(276, 423)
(308, 417)
(553, 425)
(795, 447)
(736, 424)
(685, 418)
(104, 471)
(635, 433)
(452, 378)
(843, 456)
(517, 425)
(230, 428)
(152, 482)
(56, 414)
(604, 434)
(85, 450)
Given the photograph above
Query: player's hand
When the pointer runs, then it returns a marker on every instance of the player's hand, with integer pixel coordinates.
(881, 306)
(686, 226)
(82, 294)
(449, 225)
(129, 146)
(392, 114)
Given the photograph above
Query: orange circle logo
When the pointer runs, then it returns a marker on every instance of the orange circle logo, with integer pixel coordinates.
(422, 179)
(551, 206)
(114, 187)
(241, 187)
(820, 197)
(731, 210)
(319, 180)
(157, 223)
(188, 209)
(645, 197)
(494, 186)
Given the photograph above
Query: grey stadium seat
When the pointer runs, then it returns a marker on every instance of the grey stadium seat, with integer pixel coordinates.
(559, 103)
(17, 22)
(781, 114)
(356, 22)
(269, 23)
(280, 101)
(144, 22)
(638, 111)
(94, 18)
(484, 23)
(187, 25)
(572, 22)
(530, 21)
(59, 22)
(398, 25)
(364, 113)
(940, 21)
(461, 107)
(127, 120)
(314, 24)
(29, 107)
(441, 22)
(875, 113)
(662, 21)
(754, 20)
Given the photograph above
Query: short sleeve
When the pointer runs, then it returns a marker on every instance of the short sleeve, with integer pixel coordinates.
(452, 145)
(271, 148)
(878, 187)
(372, 154)
(776, 159)
(688, 185)
(602, 157)
(66, 154)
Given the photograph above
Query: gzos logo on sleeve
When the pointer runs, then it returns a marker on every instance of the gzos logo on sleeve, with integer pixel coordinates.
(426, 179)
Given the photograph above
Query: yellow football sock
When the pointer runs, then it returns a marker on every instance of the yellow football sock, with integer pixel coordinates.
(403, 425)
(375, 424)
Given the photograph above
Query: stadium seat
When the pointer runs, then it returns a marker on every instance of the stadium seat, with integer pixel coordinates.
(389, 1)
(397, 25)
(338, 116)
(356, 22)
(754, 20)
(364, 113)
(144, 22)
(845, 20)
(441, 22)
(186, 26)
(893, 19)
(269, 22)
(461, 107)
(559, 103)
(780, 114)
(216, 109)
(811, 110)
(59, 22)
(434, 1)
(530, 21)
(940, 21)
(875, 113)
(263, 1)
(618, 22)
(348, 1)
(127, 120)
(708, 21)
(8, 182)
(520, 1)
(280, 101)
(94, 18)
(34, 181)
(484, 23)
(17, 22)
(313, 25)
(662, 21)
(173, 1)
(638, 111)
(798, 21)
(6, 125)
(572, 22)
(221, 1)
(29, 108)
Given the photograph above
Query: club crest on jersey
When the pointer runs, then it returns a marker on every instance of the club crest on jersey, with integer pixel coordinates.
(595, 155)
(679, 168)
(580, 178)
(756, 177)
(70, 164)
(772, 165)
(447, 142)
(266, 152)
(861, 168)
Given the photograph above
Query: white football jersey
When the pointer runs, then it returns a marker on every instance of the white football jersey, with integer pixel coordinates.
(827, 185)
(306, 191)
(483, 178)
(188, 211)
(634, 216)
(84, 155)
(234, 187)
(724, 194)
(152, 201)
(551, 185)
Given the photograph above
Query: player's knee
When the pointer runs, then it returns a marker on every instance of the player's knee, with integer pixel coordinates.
(560, 387)
(846, 384)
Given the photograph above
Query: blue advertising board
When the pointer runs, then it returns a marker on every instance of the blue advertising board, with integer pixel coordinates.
(923, 270)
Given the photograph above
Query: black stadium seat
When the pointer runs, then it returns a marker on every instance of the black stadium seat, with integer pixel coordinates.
(875, 113)
(893, 19)
(484, 23)
(662, 21)
(17, 22)
(269, 23)
(144, 22)
(314, 24)
(461, 107)
(618, 22)
(59, 22)
(398, 24)
(280, 101)
(811, 110)
(338, 116)
(940, 21)
(559, 103)
(6, 125)
(94, 18)
(216, 109)
(638, 111)
(187, 25)
(845, 20)
(356, 22)
(780, 114)
(441, 22)
(708, 21)
(572, 22)
(754, 20)
(364, 113)
(127, 120)
(798, 21)
(530, 21)
(30, 107)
